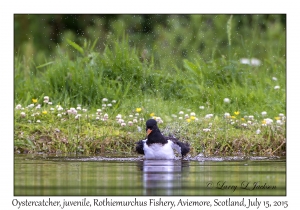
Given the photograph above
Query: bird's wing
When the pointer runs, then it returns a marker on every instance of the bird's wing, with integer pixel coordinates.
(140, 146)
(180, 147)
(184, 147)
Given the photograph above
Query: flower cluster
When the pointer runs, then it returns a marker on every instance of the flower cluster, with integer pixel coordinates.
(131, 119)
(36, 112)
(188, 117)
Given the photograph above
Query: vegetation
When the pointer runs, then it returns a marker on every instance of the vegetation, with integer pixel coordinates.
(216, 81)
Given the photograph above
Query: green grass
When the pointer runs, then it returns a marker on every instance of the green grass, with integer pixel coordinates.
(153, 82)
(118, 73)
(88, 135)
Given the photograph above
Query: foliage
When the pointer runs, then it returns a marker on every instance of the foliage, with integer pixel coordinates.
(174, 63)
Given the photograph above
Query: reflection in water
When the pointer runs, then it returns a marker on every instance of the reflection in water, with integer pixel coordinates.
(163, 177)
(99, 176)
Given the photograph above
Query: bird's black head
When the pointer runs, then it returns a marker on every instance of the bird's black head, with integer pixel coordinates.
(151, 124)
(153, 133)
(151, 127)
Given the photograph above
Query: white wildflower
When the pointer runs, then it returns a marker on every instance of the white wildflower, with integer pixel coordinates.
(77, 116)
(227, 115)
(120, 121)
(201, 107)
(264, 113)
(72, 111)
(208, 116)
(59, 108)
(244, 124)
(268, 121)
(250, 117)
(18, 106)
(279, 122)
(255, 62)
(226, 100)
(159, 120)
(277, 87)
(31, 106)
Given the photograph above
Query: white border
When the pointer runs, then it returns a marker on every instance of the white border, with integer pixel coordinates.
(8, 8)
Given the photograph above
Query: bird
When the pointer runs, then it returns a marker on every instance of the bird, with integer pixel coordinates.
(158, 146)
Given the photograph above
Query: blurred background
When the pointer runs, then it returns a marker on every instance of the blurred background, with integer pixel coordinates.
(174, 37)
(192, 59)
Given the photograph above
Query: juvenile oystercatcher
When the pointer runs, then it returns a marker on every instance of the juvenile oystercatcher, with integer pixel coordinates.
(157, 146)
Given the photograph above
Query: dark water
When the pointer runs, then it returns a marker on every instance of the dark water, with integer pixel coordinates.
(233, 176)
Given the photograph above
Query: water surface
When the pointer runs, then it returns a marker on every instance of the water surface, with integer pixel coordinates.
(78, 175)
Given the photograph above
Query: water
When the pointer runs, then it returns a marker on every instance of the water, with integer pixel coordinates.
(78, 175)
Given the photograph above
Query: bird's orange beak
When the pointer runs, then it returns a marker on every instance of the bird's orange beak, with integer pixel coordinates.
(149, 131)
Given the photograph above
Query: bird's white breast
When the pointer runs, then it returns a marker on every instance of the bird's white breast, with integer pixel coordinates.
(159, 151)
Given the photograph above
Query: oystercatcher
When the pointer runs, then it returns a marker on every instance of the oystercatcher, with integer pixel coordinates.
(157, 146)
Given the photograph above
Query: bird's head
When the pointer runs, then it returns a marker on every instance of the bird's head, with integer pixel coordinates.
(150, 126)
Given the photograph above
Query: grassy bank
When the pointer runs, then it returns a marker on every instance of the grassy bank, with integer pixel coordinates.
(83, 100)
(56, 129)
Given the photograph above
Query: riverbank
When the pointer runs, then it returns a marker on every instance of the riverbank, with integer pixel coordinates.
(51, 128)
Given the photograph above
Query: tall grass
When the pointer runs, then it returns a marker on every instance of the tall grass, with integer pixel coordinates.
(119, 73)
